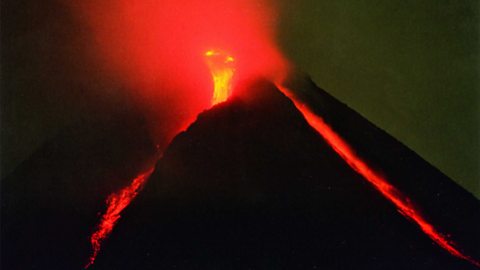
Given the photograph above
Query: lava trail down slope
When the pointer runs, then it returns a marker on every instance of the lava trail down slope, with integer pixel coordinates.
(250, 185)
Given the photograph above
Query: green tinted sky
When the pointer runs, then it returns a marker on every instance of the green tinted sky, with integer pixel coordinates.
(411, 67)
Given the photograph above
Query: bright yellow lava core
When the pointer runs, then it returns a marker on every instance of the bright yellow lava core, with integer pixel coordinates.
(222, 69)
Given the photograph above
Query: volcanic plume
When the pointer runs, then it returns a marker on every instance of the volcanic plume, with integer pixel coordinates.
(157, 49)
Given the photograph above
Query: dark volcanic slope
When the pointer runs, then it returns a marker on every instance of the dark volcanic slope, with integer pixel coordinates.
(445, 203)
(251, 186)
(50, 202)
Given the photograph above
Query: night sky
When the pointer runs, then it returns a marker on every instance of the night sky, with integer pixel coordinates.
(411, 67)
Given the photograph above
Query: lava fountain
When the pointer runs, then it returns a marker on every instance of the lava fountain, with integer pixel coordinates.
(156, 51)
(222, 70)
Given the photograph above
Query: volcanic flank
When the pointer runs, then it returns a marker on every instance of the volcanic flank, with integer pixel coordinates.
(251, 185)
(52, 201)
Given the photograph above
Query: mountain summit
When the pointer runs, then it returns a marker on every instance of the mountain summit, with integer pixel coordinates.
(250, 185)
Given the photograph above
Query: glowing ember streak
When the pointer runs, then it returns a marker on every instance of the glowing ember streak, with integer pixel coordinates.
(116, 203)
(402, 203)
(221, 67)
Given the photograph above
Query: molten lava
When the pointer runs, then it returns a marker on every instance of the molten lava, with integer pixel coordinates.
(222, 70)
(401, 202)
(116, 203)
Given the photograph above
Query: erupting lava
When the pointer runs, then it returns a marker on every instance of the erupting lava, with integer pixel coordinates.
(116, 202)
(222, 70)
(401, 202)
(221, 67)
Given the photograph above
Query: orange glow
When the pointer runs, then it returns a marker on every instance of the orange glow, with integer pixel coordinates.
(116, 203)
(401, 202)
(222, 68)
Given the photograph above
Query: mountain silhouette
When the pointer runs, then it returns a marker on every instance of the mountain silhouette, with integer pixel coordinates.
(249, 185)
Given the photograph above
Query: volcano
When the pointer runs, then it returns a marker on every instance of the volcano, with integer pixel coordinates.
(249, 185)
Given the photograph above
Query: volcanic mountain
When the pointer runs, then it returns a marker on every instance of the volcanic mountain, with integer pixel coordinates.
(249, 185)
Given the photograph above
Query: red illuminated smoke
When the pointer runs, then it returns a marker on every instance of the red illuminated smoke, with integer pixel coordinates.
(157, 49)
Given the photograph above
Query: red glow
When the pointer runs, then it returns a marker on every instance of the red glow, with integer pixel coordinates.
(156, 48)
(116, 203)
(401, 202)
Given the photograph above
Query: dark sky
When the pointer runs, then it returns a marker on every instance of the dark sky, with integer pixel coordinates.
(411, 67)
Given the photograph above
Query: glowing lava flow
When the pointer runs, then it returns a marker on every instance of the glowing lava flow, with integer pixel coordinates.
(116, 203)
(222, 70)
(402, 203)
(221, 67)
